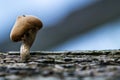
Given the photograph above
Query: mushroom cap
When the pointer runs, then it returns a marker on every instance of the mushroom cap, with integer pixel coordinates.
(22, 25)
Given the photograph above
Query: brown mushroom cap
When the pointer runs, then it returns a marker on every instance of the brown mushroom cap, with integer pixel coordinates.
(22, 25)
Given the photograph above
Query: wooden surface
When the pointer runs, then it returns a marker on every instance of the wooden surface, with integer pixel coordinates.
(61, 65)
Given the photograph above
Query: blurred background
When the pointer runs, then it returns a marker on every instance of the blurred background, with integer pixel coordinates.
(68, 24)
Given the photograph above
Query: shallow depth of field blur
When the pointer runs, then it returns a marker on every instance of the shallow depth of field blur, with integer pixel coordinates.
(67, 24)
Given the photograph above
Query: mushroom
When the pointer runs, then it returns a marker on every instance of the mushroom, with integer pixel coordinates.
(25, 30)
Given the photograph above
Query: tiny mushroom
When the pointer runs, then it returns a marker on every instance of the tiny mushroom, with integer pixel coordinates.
(25, 29)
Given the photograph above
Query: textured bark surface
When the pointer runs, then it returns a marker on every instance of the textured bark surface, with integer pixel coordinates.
(61, 65)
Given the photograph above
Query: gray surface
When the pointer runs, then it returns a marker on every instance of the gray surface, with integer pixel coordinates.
(62, 65)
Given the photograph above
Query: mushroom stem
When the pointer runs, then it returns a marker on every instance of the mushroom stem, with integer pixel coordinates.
(27, 40)
(24, 52)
